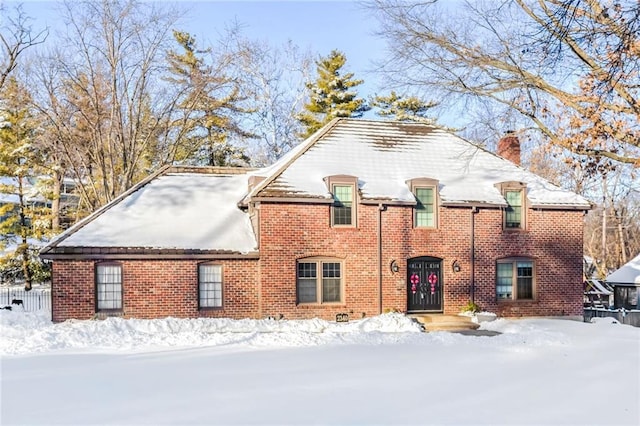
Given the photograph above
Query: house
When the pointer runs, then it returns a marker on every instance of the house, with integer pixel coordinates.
(626, 285)
(361, 218)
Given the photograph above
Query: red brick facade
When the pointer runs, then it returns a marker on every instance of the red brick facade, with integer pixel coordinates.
(257, 288)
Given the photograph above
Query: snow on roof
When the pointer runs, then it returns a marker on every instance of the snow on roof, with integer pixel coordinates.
(193, 211)
(629, 273)
(384, 155)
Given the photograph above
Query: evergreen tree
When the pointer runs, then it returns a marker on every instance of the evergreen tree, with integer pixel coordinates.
(403, 108)
(331, 95)
(24, 216)
(209, 107)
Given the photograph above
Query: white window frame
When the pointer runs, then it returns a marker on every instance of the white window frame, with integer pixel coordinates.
(109, 286)
(211, 281)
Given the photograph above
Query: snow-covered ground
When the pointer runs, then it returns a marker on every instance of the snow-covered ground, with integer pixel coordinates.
(380, 370)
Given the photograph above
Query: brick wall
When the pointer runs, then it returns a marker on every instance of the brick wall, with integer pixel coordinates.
(293, 231)
(155, 289)
(267, 287)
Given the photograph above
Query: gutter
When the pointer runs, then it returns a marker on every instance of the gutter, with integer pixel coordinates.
(474, 210)
(381, 208)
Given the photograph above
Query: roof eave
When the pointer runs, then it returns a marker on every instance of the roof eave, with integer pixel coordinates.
(118, 253)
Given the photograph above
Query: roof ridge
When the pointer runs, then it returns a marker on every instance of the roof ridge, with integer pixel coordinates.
(218, 170)
(306, 145)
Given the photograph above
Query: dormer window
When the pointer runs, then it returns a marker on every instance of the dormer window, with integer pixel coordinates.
(513, 212)
(514, 215)
(344, 191)
(425, 192)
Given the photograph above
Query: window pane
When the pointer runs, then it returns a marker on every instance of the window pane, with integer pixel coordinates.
(307, 282)
(513, 212)
(525, 279)
(425, 207)
(331, 282)
(343, 203)
(210, 286)
(504, 283)
(109, 286)
(307, 290)
(331, 289)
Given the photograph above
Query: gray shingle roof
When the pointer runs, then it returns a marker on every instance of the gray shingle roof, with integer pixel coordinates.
(384, 155)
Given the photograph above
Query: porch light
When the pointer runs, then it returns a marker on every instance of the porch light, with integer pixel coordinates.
(394, 266)
(455, 266)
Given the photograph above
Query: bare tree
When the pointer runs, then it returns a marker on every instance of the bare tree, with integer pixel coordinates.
(16, 35)
(105, 100)
(274, 80)
(567, 68)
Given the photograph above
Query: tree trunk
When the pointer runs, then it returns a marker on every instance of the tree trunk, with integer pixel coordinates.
(23, 247)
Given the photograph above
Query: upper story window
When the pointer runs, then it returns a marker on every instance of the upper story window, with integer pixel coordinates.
(515, 213)
(425, 192)
(108, 286)
(319, 281)
(515, 279)
(344, 191)
(209, 285)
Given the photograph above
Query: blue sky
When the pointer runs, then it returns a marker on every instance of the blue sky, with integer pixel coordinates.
(318, 26)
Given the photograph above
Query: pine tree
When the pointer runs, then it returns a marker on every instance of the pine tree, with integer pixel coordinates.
(209, 108)
(331, 95)
(403, 108)
(24, 216)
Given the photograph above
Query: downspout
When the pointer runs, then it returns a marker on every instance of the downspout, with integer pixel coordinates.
(474, 210)
(381, 208)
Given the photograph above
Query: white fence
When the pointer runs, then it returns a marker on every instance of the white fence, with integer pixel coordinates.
(18, 298)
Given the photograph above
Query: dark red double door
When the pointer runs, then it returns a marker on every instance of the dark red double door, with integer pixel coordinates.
(424, 284)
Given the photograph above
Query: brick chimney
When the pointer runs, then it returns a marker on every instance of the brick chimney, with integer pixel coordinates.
(509, 147)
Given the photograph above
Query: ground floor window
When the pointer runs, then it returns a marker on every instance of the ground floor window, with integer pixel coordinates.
(319, 281)
(108, 286)
(210, 286)
(626, 297)
(515, 279)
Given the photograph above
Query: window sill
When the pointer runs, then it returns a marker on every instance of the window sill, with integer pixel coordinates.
(514, 230)
(322, 305)
(517, 301)
(210, 308)
(112, 313)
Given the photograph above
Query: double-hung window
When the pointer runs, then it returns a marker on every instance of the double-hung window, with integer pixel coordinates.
(515, 279)
(344, 190)
(425, 191)
(209, 285)
(513, 212)
(342, 205)
(108, 287)
(319, 281)
(425, 213)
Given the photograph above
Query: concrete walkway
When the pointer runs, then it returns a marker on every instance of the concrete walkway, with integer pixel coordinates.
(452, 323)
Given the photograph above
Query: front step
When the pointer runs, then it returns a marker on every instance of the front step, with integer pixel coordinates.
(441, 322)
